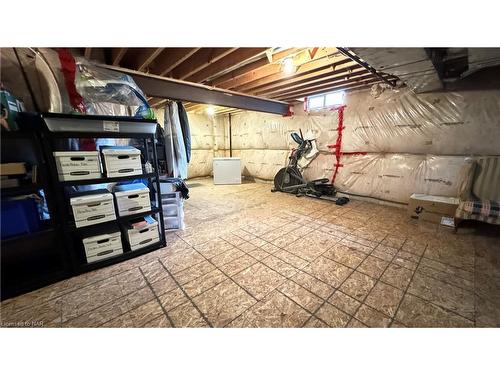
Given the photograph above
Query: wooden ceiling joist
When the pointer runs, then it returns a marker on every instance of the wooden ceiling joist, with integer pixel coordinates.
(146, 57)
(189, 105)
(317, 75)
(171, 58)
(354, 72)
(337, 87)
(238, 72)
(88, 53)
(256, 75)
(154, 102)
(318, 87)
(117, 55)
(271, 72)
(199, 61)
(234, 58)
(309, 67)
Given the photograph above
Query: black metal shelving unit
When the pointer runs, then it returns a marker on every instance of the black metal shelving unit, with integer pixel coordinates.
(60, 127)
(32, 260)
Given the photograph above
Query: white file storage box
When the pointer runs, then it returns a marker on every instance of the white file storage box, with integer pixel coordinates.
(91, 209)
(132, 199)
(227, 171)
(143, 235)
(77, 165)
(102, 246)
(121, 161)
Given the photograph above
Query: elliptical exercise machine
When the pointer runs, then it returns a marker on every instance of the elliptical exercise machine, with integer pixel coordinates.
(290, 180)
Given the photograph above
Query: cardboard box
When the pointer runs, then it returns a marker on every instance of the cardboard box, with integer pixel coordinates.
(432, 208)
(10, 169)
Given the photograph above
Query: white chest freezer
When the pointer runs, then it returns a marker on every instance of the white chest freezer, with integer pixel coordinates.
(227, 171)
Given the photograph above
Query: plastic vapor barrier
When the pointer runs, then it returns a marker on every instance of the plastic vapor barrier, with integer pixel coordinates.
(414, 143)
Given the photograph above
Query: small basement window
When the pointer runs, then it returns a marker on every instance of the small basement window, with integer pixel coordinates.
(325, 101)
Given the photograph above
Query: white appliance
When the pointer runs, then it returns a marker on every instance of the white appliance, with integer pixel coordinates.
(227, 171)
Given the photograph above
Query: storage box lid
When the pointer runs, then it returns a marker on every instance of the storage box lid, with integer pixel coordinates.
(90, 198)
(235, 159)
(75, 153)
(435, 198)
(120, 150)
(100, 237)
(127, 189)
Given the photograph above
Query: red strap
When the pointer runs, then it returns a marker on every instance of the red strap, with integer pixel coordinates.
(68, 68)
(338, 143)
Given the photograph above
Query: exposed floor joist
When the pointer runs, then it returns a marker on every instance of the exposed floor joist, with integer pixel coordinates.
(339, 79)
(256, 71)
(234, 58)
(326, 57)
(117, 55)
(148, 57)
(88, 53)
(328, 72)
(345, 87)
(170, 59)
(199, 61)
(226, 80)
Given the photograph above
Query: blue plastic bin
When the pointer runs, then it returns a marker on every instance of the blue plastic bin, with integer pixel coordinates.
(19, 217)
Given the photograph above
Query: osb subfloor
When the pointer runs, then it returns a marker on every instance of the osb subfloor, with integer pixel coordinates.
(252, 258)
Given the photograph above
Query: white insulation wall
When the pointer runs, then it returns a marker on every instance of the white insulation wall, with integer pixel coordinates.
(415, 143)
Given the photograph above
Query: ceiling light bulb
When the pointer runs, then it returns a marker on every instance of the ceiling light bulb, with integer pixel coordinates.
(211, 110)
(288, 66)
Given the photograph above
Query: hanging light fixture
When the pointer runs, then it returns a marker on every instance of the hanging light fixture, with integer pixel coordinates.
(288, 66)
(210, 110)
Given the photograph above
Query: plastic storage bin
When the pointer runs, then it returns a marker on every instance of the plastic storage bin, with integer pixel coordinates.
(173, 212)
(18, 217)
(121, 161)
(77, 165)
(172, 223)
(93, 207)
(170, 209)
(132, 199)
(102, 246)
(143, 235)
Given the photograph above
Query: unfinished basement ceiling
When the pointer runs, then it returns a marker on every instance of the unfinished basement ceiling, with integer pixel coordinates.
(260, 71)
